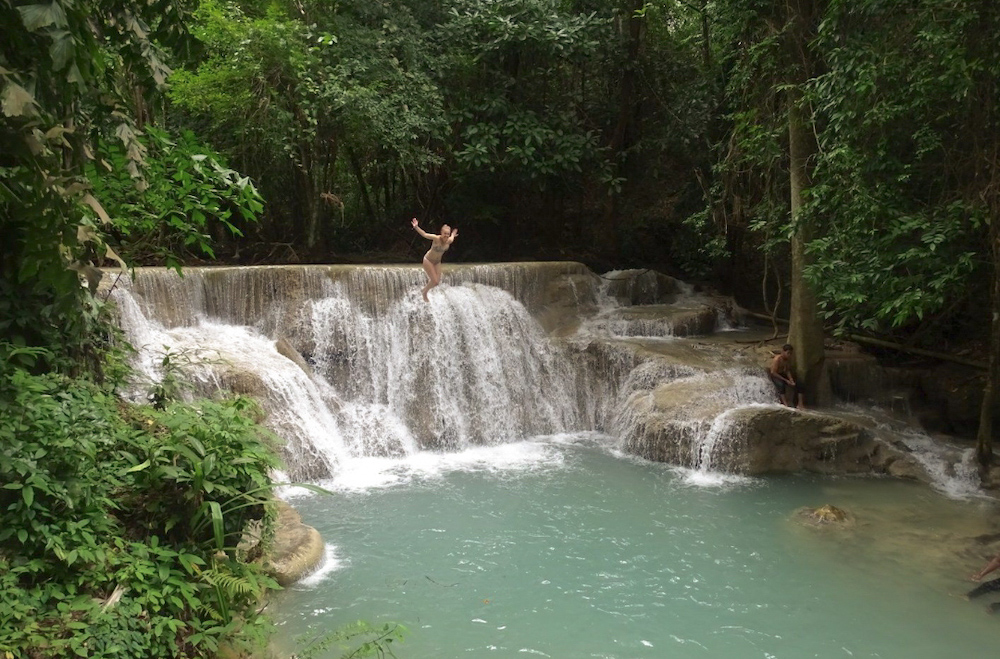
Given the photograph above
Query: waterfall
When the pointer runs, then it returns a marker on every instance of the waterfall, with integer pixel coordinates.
(352, 362)
(467, 368)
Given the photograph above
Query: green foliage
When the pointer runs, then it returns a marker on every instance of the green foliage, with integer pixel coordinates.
(168, 210)
(310, 91)
(197, 468)
(900, 112)
(124, 527)
(511, 114)
(57, 64)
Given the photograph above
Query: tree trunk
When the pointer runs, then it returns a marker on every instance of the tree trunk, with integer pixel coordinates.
(626, 105)
(621, 135)
(984, 437)
(706, 43)
(359, 175)
(805, 330)
(984, 44)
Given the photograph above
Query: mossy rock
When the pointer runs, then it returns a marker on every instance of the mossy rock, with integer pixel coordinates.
(825, 516)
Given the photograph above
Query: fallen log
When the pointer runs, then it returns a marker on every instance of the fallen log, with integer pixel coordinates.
(892, 345)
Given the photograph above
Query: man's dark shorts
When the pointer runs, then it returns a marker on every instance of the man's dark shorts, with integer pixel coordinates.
(780, 384)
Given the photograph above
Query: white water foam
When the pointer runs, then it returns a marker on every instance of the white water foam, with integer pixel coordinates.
(214, 357)
(701, 478)
(366, 473)
(952, 469)
(329, 564)
(471, 368)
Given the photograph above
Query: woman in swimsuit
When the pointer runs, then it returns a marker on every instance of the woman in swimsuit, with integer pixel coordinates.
(432, 259)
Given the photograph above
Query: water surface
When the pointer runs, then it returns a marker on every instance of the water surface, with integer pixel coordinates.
(559, 547)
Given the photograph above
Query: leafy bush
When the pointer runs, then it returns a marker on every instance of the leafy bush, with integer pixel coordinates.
(123, 525)
(169, 208)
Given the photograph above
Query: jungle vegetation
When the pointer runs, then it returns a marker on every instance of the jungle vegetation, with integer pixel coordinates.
(837, 161)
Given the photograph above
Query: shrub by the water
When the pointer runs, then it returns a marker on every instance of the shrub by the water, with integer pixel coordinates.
(128, 531)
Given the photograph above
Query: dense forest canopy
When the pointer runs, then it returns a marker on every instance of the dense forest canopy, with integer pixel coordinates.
(833, 161)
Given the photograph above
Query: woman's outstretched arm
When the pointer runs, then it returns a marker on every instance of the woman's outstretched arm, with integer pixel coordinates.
(415, 225)
(453, 236)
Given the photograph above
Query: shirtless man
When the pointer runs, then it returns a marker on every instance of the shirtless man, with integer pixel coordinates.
(781, 376)
(432, 259)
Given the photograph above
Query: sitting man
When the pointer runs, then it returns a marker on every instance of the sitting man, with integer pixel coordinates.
(781, 376)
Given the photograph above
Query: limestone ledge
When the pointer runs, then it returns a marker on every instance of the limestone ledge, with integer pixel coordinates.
(297, 548)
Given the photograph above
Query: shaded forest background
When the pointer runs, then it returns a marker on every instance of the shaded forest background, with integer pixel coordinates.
(620, 134)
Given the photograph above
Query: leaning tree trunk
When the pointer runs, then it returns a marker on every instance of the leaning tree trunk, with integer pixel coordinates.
(805, 330)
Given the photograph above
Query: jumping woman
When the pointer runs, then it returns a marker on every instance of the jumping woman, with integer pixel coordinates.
(432, 259)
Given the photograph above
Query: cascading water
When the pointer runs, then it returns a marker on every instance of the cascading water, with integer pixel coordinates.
(350, 362)
(216, 356)
(358, 364)
(465, 369)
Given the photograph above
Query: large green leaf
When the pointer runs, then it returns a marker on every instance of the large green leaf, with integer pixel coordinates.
(35, 17)
(62, 48)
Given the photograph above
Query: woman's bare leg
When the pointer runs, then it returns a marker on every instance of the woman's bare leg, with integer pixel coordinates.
(431, 275)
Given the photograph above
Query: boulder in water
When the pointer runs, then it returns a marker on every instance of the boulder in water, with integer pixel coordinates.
(297, 548)
(785, 440)
(701, 422)
(242, 380)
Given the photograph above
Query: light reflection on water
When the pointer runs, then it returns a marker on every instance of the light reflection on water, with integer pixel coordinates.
(557, 547)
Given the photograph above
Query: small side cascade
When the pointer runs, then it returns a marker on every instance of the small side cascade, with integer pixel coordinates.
(644, 303)
(637, 287)
(212, 357)
(686, 419)
(952, 469)
(855, 377)
(718, 442)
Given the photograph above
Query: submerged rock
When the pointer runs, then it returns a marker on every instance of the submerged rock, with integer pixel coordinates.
(825, 516)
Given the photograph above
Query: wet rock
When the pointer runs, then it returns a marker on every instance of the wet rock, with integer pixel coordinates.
(825, 516)
(243, 381)
(991, 477)
(285, 348)
(297, 549)
(786, 440)
(668, 422)
(855, 376)
(671, 425)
